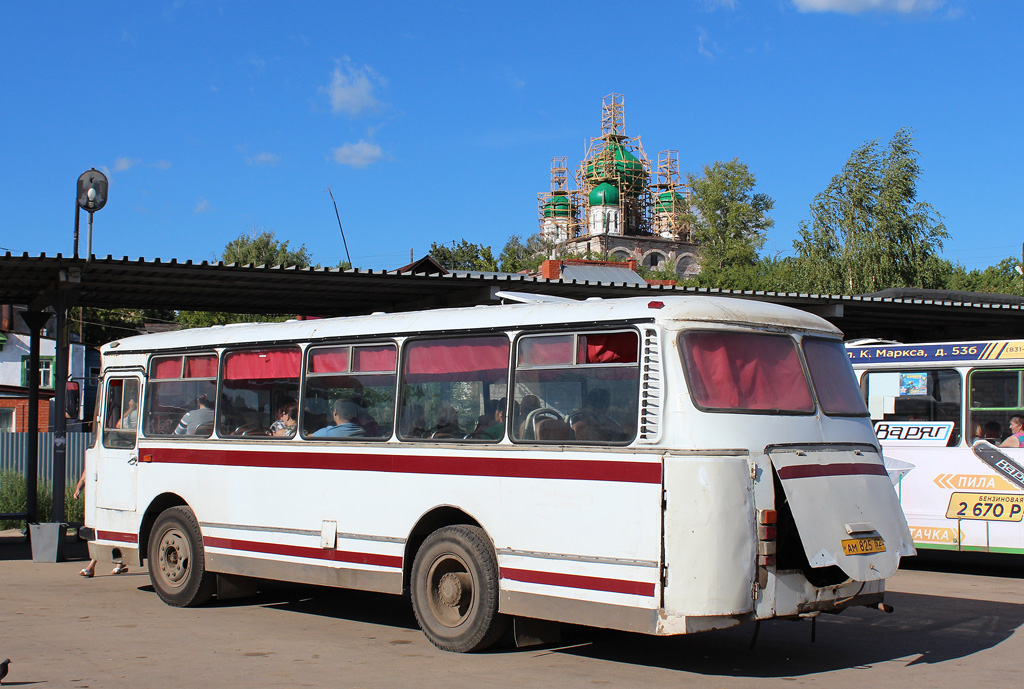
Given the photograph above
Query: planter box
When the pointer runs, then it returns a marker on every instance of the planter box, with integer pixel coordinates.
(47, 541)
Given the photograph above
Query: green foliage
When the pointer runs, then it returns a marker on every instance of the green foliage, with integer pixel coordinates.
(516, 257)
(464, 256)
(261, 249)
(1001, 278)
(729, 221)
(264, 249)
(13, 499)
(867, 230)
(99, 326)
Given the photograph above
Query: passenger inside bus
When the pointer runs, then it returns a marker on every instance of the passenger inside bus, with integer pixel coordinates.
(345, 414)
(414, 422)
(528, 404)
(448, 424)
(200, 416)
(593, 422)
(1016, 438)
(491, 427)
(353, 392)
(287, 419)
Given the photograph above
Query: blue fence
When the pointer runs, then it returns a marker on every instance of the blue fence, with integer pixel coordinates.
(14, 454)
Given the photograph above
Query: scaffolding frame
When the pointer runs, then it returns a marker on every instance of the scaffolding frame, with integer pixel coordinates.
(669, 180)
(634, 206)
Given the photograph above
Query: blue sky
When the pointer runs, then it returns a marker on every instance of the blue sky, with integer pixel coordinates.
(437, 121)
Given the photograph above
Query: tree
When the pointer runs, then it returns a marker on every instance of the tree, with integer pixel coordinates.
(516, 257)
(464, 256)
(729, 222)
(264, 249)
(867, 230)
(1001, 278)
(259, 249)
(99, 326)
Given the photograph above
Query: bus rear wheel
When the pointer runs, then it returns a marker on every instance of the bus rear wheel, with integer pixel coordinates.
(455, 590)
(177, 563)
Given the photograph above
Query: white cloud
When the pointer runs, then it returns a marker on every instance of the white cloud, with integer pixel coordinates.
(122, 164)
(161, 165)
(857, 6)
(351, 89)
(203, 206)
(358, 155)
(263, 159)
(704, 44)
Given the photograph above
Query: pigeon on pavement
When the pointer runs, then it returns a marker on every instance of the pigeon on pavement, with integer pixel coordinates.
(3, 669)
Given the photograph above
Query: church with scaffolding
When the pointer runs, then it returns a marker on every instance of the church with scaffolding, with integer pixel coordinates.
(619, 207)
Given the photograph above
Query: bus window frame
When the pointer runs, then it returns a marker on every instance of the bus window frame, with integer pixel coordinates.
(310, 349)
(960, 425)
(574, 364)
(400, 379)
(225, 354)
(1007, 412)
(738, 410)
(152, 384)
(814, 388)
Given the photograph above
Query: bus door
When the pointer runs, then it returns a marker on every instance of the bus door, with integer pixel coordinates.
(118, 452)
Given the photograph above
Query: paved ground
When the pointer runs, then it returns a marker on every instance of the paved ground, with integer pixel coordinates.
(60, 630)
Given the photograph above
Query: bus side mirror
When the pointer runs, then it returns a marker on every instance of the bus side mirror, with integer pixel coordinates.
(72, 400)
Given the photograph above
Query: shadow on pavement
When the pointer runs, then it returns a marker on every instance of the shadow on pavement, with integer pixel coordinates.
(924, 629)
(15, 545)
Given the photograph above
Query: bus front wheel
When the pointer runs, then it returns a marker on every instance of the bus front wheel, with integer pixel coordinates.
(454, 590)
(177, 564)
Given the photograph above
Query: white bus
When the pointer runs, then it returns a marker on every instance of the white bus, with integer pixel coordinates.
(943, 409)
(663, 466)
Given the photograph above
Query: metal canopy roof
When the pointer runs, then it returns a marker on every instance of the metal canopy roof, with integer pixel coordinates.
(913, 316)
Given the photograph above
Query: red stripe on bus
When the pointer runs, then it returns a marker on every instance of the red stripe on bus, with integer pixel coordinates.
(591, 470)
(819, 470)
(302, 551)
(575, 581)
(117, 536)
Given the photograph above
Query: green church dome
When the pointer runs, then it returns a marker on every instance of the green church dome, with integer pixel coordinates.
(557, 207)
(663, 204)
(604, 194)
(616, 162)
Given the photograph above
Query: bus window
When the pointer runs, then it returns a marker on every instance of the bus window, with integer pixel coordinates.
(355, 381)
(995, 397)
(745, 371)
(915, 395)
(121, 419)
(450, 387)
(576, 388)
(255, 384)
(179, 389)
(834, 380)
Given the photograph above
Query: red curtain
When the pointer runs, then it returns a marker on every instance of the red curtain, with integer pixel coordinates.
(745, 371)
(545, 351)
(201, 366)
(833, 377)
(484, 358)
(262, 364)
(333, 360)
(611, 348)
(383, 358)
(166, 368)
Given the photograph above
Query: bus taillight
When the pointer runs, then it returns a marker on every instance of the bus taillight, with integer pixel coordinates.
(766, 535)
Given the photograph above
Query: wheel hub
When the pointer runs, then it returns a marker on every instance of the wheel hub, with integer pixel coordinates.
(449, 590)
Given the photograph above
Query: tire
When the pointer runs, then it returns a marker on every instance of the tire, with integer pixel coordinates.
(177, 562)
(455, 590)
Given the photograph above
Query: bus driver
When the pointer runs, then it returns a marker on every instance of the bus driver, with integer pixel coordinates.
(192, 420)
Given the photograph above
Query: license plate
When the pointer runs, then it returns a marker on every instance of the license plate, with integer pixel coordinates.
(864, 546)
